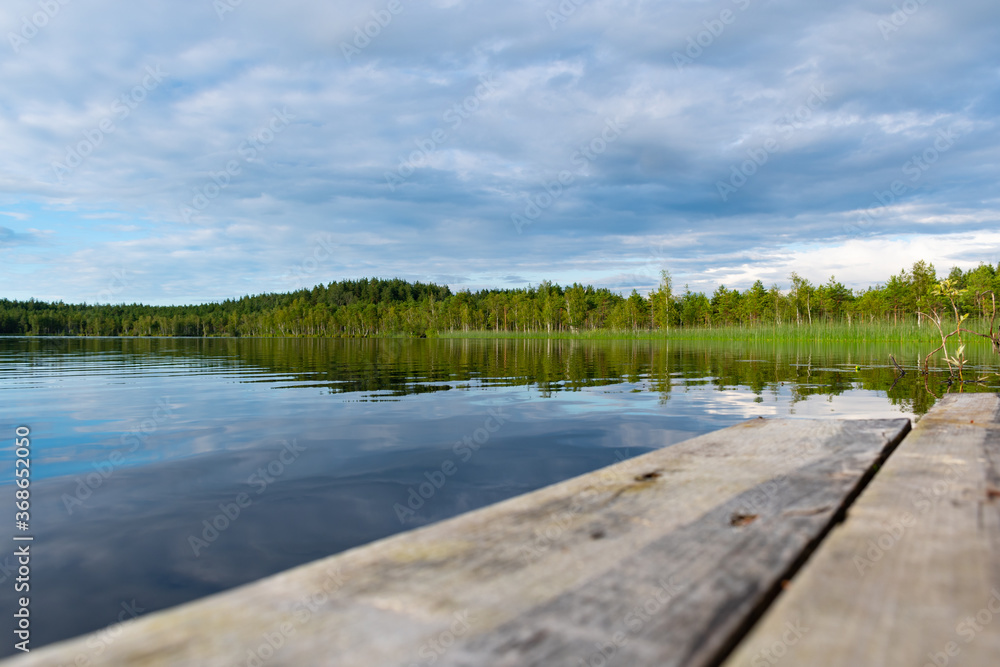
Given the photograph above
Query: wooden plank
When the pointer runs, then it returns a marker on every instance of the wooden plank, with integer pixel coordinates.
(913, 575)
(658, 560)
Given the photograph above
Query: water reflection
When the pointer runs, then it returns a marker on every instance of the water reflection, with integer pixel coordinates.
(165, 470)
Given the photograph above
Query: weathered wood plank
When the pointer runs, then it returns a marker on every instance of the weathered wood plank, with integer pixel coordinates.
(660, 560)
(912, 577)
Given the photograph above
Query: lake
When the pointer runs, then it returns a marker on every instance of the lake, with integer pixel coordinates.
(164, 470)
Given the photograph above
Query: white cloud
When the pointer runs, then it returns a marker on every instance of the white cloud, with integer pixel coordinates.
(654, 187)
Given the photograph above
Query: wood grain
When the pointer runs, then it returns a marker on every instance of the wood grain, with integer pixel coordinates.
(664, 559)
(903, 580)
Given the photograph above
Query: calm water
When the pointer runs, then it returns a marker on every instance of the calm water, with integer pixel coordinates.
(140, 445)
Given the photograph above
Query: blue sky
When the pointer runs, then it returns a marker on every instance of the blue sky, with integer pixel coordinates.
(179, 152)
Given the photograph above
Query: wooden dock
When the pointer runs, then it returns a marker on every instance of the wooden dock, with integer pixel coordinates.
(796, 542)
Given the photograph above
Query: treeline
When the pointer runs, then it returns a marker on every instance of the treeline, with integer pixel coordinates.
(370, 307)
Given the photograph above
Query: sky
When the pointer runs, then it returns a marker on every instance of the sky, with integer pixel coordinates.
(197, 150)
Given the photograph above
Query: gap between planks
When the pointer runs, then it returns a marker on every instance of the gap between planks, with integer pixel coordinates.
(912, 577)
(704, 531)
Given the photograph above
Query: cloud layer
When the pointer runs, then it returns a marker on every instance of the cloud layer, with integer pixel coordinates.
(186, 152)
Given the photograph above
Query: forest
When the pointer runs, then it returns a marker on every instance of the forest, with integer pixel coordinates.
(378, 307)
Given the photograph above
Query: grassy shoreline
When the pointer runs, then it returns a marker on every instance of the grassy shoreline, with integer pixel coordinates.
(879, 332)
(840, 332)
